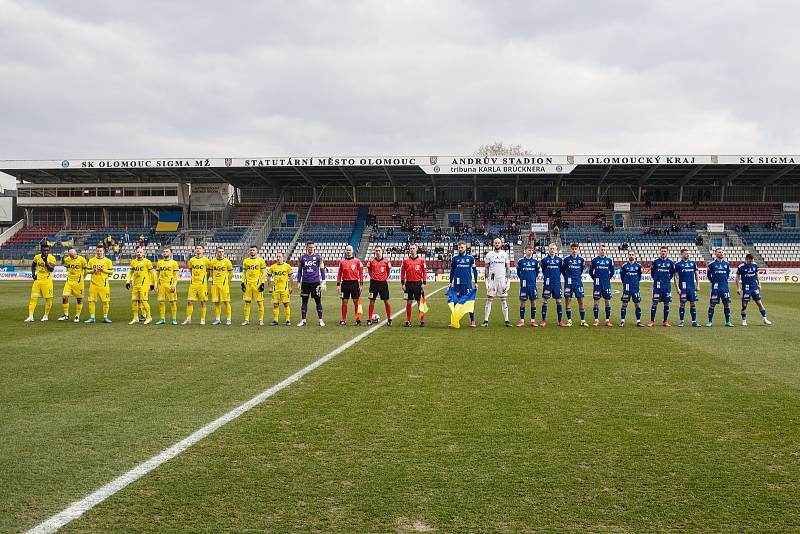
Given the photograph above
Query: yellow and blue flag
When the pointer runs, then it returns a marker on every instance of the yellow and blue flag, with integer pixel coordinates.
(168, 221)
(460, 305)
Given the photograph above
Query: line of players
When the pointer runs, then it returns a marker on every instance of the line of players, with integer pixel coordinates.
(143, 277)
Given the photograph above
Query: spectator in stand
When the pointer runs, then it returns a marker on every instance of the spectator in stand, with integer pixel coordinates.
(556, 230)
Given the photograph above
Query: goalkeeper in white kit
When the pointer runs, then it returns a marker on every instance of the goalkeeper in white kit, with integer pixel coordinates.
(498, 266)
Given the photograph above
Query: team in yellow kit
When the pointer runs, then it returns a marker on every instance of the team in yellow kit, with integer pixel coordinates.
(198, 288)
(140, 280)
(100, 268)
(280, 274)
(42, 273)
(167, 285)
(74, 286)
(254, 276)
(221, 274)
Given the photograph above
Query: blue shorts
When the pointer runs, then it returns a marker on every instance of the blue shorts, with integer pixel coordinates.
(551, 291)
(461, 290)
(528, 293)
(688, 295)
(718, 295)
(755, 295)
(573, 290)
(659, 295)
(601, 293)
(637, 297)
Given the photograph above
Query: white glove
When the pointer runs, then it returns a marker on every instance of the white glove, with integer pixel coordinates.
(323, 287)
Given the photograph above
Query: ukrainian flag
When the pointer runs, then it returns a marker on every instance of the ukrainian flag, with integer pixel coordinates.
(460, 305)
(168, 221)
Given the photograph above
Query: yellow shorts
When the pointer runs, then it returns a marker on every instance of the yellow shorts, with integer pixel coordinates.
(220, 293)
(101, 293)
(165, 293)
(198, 293)
(73, 289)
(140, 292)
(251, 292)
(42, 288)
(280, 297)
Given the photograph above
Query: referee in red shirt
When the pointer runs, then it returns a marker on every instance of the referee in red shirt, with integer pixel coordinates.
(378, 269)
(349, 281)
(413, 276)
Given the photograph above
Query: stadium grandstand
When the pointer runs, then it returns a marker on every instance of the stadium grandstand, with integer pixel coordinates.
(745, 204)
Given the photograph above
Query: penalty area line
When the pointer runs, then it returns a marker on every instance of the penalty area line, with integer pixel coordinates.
(78, 508)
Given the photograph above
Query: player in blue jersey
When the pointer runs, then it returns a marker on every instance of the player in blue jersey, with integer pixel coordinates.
(551, 266)
(718, 272)
(527, 272)
(573, 283)
(601, 270)
(630, 274)
(748, 285)
(687, 279)
(464, 275)
(662, 270)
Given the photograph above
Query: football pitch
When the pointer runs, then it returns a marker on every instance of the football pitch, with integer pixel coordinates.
(489, 429)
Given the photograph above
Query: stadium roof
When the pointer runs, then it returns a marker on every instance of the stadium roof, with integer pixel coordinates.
(644, 169)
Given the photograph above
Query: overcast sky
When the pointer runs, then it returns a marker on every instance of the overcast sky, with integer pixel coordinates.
(138, 79)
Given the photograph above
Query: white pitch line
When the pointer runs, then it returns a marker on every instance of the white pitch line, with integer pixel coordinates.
(78, 508)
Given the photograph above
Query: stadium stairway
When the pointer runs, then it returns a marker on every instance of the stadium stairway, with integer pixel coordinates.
(363, 251)
(358, 229)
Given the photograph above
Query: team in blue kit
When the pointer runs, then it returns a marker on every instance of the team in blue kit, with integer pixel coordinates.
(687, 279)
(572, 270)
(601, 270)
(527, 272)
(718, 272)
(748, 286)
(662, 270)
(630, 275)
(552, 269)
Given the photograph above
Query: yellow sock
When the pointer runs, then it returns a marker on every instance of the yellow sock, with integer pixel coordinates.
(32, 305)
(106, 306)
(287, 312)
(228, 310)
(189, 310)
(276, 312)
(261, 311)
(203, 312)
(246, 310)
(162, 309)
(146, 308)
(78, 308)
(218, 309)
(173, 308)
(135, 308)
(65, 307)
(48, 304)
(92, 307)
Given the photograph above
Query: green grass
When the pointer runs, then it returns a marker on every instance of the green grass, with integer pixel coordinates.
(489, 429)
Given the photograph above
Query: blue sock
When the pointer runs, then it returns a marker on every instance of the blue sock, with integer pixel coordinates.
(522, 312)
(764, 312)
(471, 317)
(653, 310)
(596, 312)
(319, 310)
(569, 313)
(710, 313)
(608, 313)
(666, 311)
(533, 311)
(544, 311)
(582, 311)
(682, 312)
(638, 314)
(727, 314)
(622, 313)
(693, 311)
(304, 309)
(559, 311)
(744, 314)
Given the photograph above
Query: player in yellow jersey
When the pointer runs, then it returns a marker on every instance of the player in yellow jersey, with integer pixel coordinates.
(141, 281)
(254, 275)
(167, 284)
(100, 269)
(221, 270)
(42, 274)
(280, 274)
(198, 289)
(76, 274)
